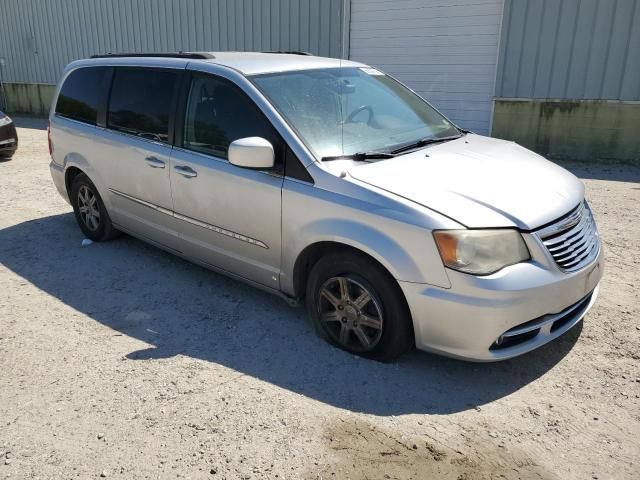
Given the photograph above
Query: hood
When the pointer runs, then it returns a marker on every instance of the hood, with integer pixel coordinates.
(479, 182)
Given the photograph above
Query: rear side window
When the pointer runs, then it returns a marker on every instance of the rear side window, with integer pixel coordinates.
(82, 93)
(141, 102)
(219, 113)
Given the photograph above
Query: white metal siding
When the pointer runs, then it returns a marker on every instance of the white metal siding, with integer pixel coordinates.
(446, 50)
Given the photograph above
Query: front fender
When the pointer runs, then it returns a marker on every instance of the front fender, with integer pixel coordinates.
(375, 243)
(407, 250)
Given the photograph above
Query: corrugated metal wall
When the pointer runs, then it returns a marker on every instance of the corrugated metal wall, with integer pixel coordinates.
(38, 38)
(570, 49)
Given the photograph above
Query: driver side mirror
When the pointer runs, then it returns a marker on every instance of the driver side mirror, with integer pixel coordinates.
(251, 152)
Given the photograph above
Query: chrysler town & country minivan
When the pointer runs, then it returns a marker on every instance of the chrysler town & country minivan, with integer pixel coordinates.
(327, 181)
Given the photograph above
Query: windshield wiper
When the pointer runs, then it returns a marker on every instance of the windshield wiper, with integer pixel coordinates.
(366, 156)
(360, 156)
(423, 143)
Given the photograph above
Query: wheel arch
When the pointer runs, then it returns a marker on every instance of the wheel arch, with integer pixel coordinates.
(74, 165)
(69, 175)
(314, 252)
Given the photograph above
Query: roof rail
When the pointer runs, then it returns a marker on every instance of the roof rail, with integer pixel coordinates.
(191, 55)
(290, 52)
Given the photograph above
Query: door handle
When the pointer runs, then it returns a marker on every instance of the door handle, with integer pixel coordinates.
(154, 162)
(185, 171)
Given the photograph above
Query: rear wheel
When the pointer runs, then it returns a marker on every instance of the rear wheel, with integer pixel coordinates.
(357, 306)
(89, 209)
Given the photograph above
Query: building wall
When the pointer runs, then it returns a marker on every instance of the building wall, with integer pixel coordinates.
(28, 98)
(559, 76)
(570, 71)
(445, 50)
(570, 129)
(38, 38)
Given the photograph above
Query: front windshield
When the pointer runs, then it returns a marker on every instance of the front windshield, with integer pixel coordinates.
(343, 111)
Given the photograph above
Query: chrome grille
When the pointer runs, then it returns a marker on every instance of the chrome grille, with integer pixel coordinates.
(573, 241)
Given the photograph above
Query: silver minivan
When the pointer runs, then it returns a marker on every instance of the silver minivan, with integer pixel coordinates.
(327, 181)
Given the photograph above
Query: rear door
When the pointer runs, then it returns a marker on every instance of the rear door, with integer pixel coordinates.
(136, 150)
(229, 217)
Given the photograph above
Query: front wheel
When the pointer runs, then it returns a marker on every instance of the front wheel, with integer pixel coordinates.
(357, 306)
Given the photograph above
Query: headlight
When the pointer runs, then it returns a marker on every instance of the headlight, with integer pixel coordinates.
(480, 252)
(4, 120)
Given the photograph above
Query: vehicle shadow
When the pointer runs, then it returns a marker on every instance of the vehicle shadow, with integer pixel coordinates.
(182, 309)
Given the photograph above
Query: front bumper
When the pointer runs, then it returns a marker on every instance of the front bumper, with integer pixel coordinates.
(466, 320)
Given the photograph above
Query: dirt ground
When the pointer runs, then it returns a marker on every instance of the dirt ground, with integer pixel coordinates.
(118, 360)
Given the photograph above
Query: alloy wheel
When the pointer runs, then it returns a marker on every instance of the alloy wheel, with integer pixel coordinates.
(88, 208)
(350, 313)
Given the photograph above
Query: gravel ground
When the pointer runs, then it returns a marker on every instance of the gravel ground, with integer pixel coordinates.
(118, 360)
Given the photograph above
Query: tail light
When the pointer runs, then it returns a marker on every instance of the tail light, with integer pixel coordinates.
(49, 139)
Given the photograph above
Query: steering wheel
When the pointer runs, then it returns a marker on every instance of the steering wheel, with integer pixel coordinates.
(357, 111)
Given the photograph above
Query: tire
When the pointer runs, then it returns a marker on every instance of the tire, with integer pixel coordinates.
(90, 212)
(384, 319)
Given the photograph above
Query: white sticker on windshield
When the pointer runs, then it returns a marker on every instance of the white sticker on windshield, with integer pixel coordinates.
(371, 71)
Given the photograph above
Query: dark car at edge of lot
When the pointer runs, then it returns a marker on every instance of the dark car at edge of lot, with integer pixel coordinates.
(8, 137)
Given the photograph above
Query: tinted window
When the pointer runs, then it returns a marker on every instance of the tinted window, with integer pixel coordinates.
(82, 93)
(219, 113)
(140, 102)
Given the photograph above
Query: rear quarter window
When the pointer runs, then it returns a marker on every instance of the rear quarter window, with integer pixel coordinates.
(82, 93)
